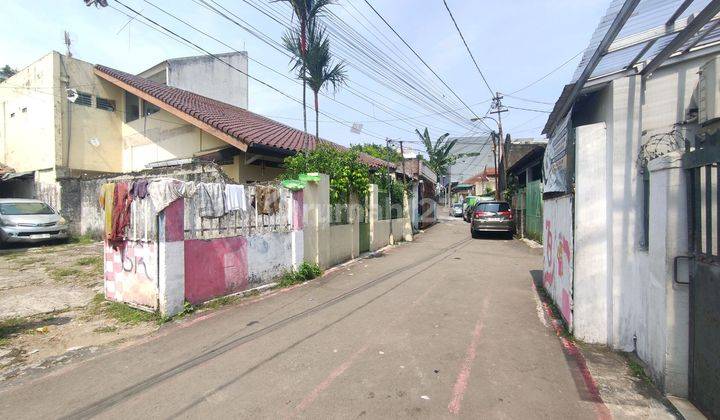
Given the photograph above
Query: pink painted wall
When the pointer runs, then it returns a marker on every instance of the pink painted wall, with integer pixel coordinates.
(558, 253)
(131, 273)
(215, 268)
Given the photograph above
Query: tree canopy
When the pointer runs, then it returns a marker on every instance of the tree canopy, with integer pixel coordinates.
(379, 151)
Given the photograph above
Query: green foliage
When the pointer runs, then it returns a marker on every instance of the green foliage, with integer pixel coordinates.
(128, 315)
(7, 72)
(393, 187)
(305, 272)
(309, 271)
(347, 173)
(439, 153)
(381, 152)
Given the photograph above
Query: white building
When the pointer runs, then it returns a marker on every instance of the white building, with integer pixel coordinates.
(634, 128)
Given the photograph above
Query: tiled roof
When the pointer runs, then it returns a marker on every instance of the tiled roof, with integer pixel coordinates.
(247, 127)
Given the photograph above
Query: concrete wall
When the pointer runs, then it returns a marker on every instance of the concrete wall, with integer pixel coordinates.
(28, 136)
(209, 77)
(558, 253)
(624, 294)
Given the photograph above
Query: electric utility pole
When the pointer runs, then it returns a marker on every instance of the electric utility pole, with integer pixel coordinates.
(497, 108)
(493, 135)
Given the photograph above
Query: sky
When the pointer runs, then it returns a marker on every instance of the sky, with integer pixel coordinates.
(515, 43)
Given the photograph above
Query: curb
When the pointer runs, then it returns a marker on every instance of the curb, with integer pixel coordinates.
(573, 352)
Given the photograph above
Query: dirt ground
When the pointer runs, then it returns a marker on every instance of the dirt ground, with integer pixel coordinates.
(52, 307)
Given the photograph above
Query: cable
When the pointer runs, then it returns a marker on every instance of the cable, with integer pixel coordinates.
(535, 101)
(468, 48)
(528, 109)
(548, 74)
(271, 87)
(423, 61)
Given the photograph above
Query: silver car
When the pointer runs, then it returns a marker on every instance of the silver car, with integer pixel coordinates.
(30, 221)
(491, 216)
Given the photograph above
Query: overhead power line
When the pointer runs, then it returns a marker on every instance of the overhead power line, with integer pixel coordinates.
(468, 49)
(269, 86)
(424, 62)
(528, 109)
(546, 75)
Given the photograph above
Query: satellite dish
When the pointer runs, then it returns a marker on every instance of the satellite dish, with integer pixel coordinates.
(72, 95)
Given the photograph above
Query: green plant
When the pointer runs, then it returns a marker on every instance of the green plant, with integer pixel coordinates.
(317, 69)
(106, 329)
(309, 271)
(127, 314)
(306, 271)
(381, 152)
(347, 174)
(61, 273)
(82, 240)
(638, 370)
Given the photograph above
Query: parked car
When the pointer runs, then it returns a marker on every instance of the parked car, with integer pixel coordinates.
(456, 210)
(29, 221)
(491, 216)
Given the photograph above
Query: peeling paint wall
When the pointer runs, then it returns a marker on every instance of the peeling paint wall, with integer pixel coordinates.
(215, 267)
(269, 256)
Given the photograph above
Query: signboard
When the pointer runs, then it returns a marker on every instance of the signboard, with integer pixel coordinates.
(555, 161)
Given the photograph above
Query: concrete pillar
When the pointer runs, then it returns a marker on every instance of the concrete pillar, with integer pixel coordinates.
(407, 220)
(354, 221)
(171, 257)
(316, 230)
(373, 215)
(297, 224)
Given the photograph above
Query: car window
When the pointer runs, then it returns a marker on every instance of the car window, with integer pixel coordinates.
(18, 209)
(492, 207)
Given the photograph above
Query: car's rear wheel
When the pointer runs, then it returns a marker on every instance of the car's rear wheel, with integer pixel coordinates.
(474, 234)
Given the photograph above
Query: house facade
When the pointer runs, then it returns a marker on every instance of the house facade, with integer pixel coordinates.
(66, 118)
(630, 208)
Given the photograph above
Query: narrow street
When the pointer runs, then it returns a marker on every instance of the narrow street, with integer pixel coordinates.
(441, 327)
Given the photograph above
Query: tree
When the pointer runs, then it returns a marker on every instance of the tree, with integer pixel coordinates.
(381, 152)
(7, 72)
(439, 154)
(306, 11)
(321, 71)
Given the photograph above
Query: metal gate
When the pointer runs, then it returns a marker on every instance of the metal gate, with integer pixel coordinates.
(704, 361)
(534, 211)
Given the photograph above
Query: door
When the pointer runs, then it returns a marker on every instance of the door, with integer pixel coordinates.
(704, 230)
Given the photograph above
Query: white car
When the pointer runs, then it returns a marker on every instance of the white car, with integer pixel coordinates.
(30, 221)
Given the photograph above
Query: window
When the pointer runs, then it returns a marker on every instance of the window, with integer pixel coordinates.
(132, 107)
(149, 109)
(22, 209)
(106, 104)
(84, 99)
(492, 207)
(646, 210)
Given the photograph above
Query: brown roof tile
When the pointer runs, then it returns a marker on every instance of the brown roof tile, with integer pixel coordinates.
(247, 127)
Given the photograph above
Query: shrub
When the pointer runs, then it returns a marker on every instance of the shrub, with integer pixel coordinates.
(305, 272)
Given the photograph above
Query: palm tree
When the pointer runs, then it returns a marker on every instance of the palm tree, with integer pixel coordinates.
(439, 153)
(306, 11)
(320, 70)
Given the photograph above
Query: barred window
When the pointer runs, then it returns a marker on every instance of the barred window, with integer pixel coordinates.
(84, 99)
(106, 104)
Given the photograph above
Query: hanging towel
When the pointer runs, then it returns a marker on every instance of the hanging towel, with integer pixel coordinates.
(235, 197)
(163, 192)
(139, 189)
(211, 198)
(106, 199)
(120, 214)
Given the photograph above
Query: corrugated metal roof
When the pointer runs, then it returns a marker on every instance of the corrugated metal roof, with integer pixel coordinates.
(646, 28)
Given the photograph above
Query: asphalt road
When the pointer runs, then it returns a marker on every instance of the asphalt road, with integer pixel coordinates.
(444, 327)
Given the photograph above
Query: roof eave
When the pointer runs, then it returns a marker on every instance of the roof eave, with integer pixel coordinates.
(174, 111)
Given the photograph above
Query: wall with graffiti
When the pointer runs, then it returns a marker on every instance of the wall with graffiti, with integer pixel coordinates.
(558, 254)
(131, 273)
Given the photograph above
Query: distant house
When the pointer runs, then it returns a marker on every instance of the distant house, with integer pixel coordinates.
(423, 203)
(65, 118)
(482, 183)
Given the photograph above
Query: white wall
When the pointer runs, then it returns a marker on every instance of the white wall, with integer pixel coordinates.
(591, 235)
